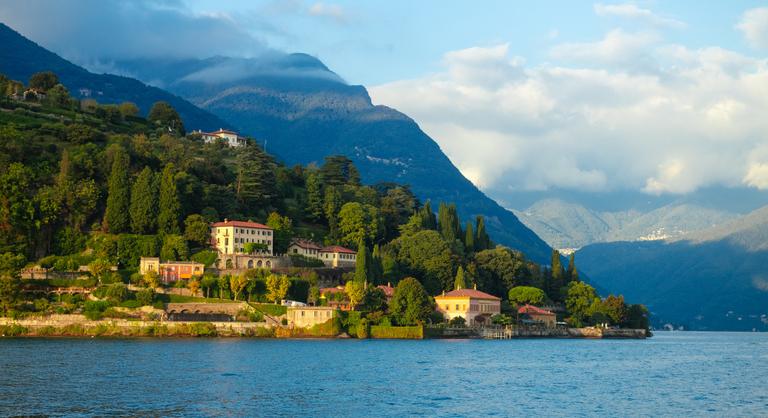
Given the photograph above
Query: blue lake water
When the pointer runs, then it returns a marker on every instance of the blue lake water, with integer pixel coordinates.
(672, 374)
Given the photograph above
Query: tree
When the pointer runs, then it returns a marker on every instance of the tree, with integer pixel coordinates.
(410, 304)
(338, 170)
(165, 116)
(314, 197)
(255, 182)
(615, 308)
(277, 287)
(331, 204)
(482, 240)
(237, 283)
(355, 291)
(143, 207)
(572, 274)
(207, 284)
(376, 269)
(254, 247)
(427, 215)
(196, 230)
(151, 279)
(10, 286)
(526, 295)
(374, 299)
(174, 248)
(17, 211)
(499, 269)
(169, 205)
(558, 276)
(579, 299)
(128, 109)
(425, 255)
(448, 222)
(145, 297)
(469, 238)
(359, 223)
(116, 216)
(362, 264)
(100, 268)
(460, 283)
(59, 96)
(313, 296)
(283, 232)
(117, 292)
(223, 284)
(43, 80)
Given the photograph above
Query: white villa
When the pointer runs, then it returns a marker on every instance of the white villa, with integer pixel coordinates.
(228, 137)
(230, 237)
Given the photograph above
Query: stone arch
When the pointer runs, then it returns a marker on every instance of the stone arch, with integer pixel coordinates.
(269, 264)
(258, 263)
(250, 264)
(229, 264)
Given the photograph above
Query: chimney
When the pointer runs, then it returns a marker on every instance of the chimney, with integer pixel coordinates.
(443, 292)
(226, 220)
(475, 286)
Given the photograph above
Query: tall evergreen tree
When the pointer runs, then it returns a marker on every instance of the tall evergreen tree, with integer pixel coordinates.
(256, 180)
(460, 282)
(558, 274)
(170, 207)
(116, 218)
(314, 197)
(482, 240)
(362, 264)
(448, 221)
(573, 272)
(331, 206)
(469, 238)
(144, 203)
(428, 220)
(377, 268)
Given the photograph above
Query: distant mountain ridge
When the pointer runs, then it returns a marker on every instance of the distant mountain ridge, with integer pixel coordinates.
(567, 225)
(710, 279)
(20, 58)
(301, 111)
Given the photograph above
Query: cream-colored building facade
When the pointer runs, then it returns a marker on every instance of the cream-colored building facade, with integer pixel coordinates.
(230, 237)
(334, 256)
(474, 306)
(307, 316)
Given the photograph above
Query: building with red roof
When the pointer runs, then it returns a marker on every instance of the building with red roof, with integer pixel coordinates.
(332, 256)
(538, 315)
(230, 138)
(388, 290)
(231, 237)
(475, 306)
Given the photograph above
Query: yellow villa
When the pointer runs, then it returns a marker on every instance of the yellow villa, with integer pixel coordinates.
(474, 306)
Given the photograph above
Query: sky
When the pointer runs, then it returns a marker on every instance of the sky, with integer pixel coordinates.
(660, 98)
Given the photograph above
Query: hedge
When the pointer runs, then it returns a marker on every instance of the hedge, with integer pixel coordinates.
(408, 333)
(270, 309)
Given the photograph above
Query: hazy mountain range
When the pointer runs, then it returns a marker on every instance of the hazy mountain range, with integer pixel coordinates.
(715, 278)
(565, 225)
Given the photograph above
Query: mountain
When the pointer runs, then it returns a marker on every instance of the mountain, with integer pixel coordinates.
(20, 58)
(566, 225)
(301, 111)
(710, 279)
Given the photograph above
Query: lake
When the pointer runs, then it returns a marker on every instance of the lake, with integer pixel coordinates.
(671, 374)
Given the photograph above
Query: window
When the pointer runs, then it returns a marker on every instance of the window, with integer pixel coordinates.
(457, 307)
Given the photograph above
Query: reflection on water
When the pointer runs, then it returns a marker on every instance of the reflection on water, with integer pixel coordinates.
(674, 374)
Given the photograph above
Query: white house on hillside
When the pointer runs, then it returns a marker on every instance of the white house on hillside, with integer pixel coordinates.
(228, 137)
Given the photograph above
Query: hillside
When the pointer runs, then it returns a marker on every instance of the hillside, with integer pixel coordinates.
(569, 225)
(20, 58)
(303, 112)
(711, 279)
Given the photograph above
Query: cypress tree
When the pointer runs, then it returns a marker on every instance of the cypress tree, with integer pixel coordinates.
(482, 240)
(170, 206)
(362, 265)
(460, 283)
(314, 197)
(256, 180)
(116, 218)
(573, 272)
(469, 238)
(427, 215)
(448, 222)
(377, 267)
(558, 274)
(144, 203)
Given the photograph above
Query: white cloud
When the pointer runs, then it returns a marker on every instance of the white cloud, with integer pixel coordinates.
(332, 11)
(754, 26)
(684, 119)
(632, 11)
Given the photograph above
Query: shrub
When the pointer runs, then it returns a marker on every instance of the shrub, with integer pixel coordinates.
(458, 321)
(206, 257)
(363, 329)
(12, 330)
(411, 333)
(42, 305)
(270, 309)
(202, 329)
(132, 304)
(117, 292)
(145, 297)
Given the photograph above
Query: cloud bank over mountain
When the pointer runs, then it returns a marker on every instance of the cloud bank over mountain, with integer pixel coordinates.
(630, 110)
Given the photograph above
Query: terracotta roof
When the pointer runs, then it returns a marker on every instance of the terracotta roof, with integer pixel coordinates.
(325, 290)
(388, 290)
(530, 309)
(306, 244)
(472, 293)
(337, 249)
(220, 131)
(242, 224)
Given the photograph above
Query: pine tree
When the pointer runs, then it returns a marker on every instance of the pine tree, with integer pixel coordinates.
(144, 203)
(116, 218)
(362, 264)
(469, 238)
(482, 240)
(170, 206)
(314, 197)
(460, 283)
(331, 206)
